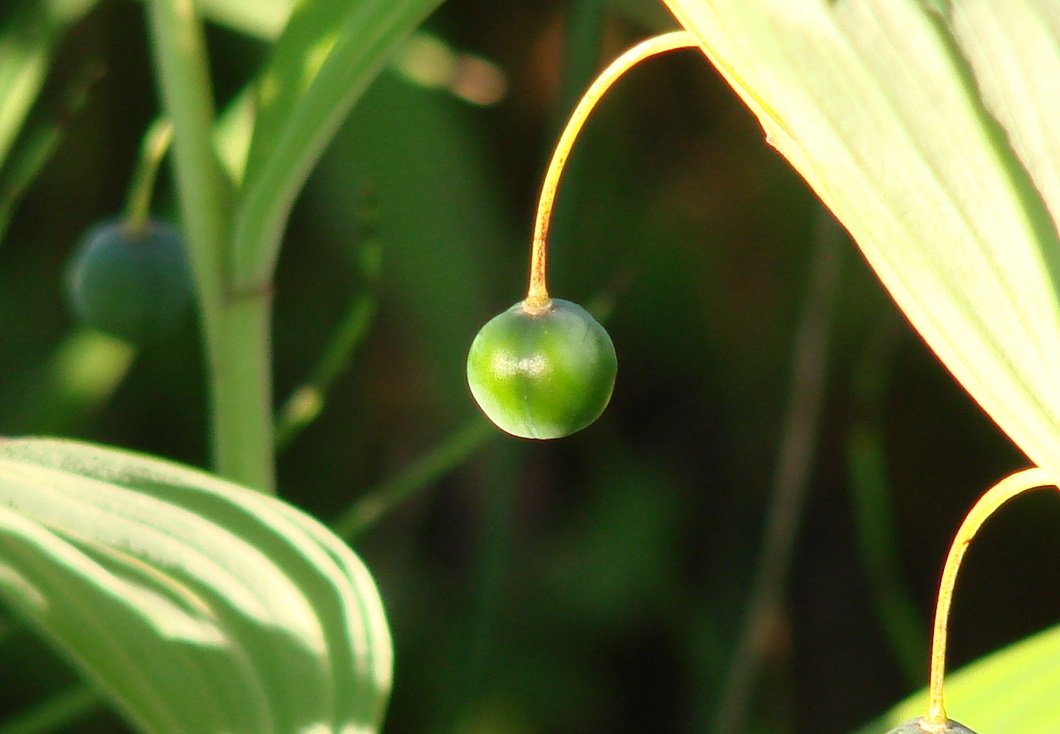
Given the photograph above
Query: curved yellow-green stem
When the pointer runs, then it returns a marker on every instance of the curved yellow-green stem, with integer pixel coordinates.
(936, 721)
(537, 298)
(153, 149)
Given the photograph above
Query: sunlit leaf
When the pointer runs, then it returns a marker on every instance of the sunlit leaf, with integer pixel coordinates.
(932, 130)
(197, 605)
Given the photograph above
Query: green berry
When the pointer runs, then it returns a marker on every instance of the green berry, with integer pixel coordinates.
(542, 373)
(914, 727)
(135, 287)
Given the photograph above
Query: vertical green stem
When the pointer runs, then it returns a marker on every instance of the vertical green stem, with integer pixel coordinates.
(240, 364)
(235, 325)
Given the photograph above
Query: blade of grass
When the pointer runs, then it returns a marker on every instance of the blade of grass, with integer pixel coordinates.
(903, 626)
(26, 47)
(307, 400)
(30, 157)
(81, 373)
(581, 62)
(55, 712)
(472, 669)
(791, 480)
(373, 505)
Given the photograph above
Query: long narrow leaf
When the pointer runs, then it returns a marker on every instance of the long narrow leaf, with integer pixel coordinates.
(326, 57)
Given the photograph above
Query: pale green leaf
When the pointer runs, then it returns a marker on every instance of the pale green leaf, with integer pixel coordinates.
(1014, 49)
(884, 107)
(197, 605)
(327, 55)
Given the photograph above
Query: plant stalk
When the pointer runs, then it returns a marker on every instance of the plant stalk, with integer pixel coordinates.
(138, 201)
(235, 324)
(537, 298)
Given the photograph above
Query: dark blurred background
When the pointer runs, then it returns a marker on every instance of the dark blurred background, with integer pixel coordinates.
(597, 583)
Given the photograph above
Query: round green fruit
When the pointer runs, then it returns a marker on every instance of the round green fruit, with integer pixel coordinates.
(134, 287)
(542, 373)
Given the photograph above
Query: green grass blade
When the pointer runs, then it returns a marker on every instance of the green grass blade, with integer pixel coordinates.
(197, 605)
(872, 504)
(26, 47)
(307, 400)
(875, 104)
(373, 505)
(326, 57)
(36, 146)
(55, 712)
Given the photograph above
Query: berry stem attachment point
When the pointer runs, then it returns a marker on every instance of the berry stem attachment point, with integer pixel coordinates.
(138, 201)
(537, 298)
(999, 494)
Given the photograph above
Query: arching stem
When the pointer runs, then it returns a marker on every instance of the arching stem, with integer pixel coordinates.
(936, 721)
(537, 298)
(138, 201)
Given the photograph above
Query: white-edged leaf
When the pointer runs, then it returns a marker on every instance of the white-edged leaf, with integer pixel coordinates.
(884, 106)
(198, 605)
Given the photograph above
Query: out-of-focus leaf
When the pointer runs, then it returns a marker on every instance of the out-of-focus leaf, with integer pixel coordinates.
(28, 158)
(885, 107)
(327, 55)
(81, 373)
(1012, 691)
(259, 18)
(26, 46)
(197, 605)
